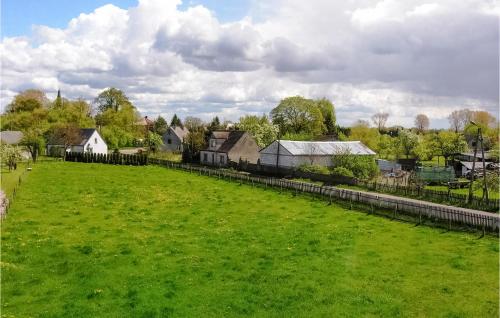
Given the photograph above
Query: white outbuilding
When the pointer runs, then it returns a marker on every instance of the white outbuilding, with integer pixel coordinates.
(292, 154)
(89, 140)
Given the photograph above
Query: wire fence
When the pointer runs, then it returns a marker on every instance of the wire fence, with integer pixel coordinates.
(449, 196)
(420, 210)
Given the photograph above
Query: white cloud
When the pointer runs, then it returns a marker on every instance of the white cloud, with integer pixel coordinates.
(401, 56)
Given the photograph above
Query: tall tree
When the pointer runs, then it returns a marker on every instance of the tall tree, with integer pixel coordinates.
(422, 122)
(193, 123)
(328, 112)
(112, 98)
(260, 128)
(176, 122)
(449, 143)
(160, 126)
(298, 115)
(214, 124)
(408, 142)
(33, 141)
(379, 120)
(459, 119)
(27, 101)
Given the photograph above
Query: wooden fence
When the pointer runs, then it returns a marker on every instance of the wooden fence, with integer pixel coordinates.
(420, 210)
(112, 158)
(9, 199)
(456, 199)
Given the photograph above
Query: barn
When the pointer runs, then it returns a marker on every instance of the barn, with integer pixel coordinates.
(292, 154)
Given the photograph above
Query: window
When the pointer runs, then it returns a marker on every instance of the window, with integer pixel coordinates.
(214, 142)
(169, 141)
(221, 159)
(205, 157)
(213, 158)
(95, 140)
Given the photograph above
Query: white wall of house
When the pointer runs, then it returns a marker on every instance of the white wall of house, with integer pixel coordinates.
(95, 144)
(213, 158)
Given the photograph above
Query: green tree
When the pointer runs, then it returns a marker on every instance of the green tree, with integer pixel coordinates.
(328, 113)
(214, 124)
(112, 98)
(154, 141)
(260, 128)
(33, 141)
(408, 141)
(449, 143)
(176, 122)
(10, 155)
(27, 101)
(160, 126)
(368, 136)
(298, 115)
(385, 146)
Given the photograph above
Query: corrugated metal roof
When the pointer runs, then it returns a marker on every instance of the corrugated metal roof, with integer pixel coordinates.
(325, 148)
(11, 137)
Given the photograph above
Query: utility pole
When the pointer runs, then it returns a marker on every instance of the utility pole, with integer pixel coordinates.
(278, 156)
(485, 186)
(473, 171)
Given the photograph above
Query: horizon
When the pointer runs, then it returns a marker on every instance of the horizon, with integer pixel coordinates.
(208, 58)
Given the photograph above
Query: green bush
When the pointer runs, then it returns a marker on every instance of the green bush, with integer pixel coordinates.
(362, 167)
(314, 169)
(342, 171)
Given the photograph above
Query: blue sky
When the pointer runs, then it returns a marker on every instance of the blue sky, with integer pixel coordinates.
(18, 16)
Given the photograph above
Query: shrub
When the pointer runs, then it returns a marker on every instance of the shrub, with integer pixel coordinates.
(362, 167)
(342, 171)
(314, 169)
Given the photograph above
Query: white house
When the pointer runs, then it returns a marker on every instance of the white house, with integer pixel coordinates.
(292, 154)
(89, 141)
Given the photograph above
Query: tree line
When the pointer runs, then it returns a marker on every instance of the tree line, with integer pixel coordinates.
(294, 118)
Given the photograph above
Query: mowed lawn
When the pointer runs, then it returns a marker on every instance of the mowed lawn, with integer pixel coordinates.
(90, 240)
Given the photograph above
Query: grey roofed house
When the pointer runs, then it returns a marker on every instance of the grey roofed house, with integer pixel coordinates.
(11, 137)
(173, 138)
(230, 146)
(292, 154)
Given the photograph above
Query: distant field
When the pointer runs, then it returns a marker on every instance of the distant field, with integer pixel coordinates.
(90, 240)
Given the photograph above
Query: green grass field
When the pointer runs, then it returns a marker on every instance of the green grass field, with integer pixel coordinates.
(9, 179)
(90, 240)
(478, 193)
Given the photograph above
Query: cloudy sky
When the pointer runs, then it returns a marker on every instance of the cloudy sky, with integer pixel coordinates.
(230, 58)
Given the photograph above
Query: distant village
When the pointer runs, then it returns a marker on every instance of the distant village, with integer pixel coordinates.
(299, 134)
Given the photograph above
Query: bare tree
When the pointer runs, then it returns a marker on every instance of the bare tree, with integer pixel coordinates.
(66, 135)
(361, 123)
(422, 122)
(380, 119)
(459, 119)
(312, 151)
